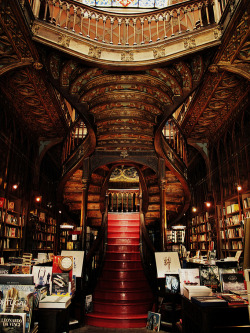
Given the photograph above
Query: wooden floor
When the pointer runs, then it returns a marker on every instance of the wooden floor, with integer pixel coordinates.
(92, 329)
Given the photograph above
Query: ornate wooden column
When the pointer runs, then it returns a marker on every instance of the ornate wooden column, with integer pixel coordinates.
(162, 180)
(85, 181)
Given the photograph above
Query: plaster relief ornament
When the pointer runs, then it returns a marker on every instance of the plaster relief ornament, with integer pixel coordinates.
(189, 43)
(63, 40)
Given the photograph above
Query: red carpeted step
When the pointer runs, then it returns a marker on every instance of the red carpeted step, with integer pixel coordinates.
(122, 285)
(122, 265)
(119, 248)
(118, 308)
(123, 241)
(121, 296)
(123, 255)
(131, 321)
(109, 274)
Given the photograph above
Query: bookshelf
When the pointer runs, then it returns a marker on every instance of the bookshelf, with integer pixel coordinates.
(231, 218)
(12, 222)
(43, 228)
(201, 236)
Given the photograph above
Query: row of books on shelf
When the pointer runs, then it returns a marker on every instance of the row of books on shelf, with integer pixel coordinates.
(12, 219)
(9, 243)
(231, 221)
(234, 245)
(232, 233)
(43, 237)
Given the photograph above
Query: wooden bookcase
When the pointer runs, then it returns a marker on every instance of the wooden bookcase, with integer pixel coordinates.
(231, 218)
(200, 233)
(12, 223)
(43, 228)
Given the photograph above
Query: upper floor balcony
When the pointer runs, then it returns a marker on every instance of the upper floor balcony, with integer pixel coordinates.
(135, 38)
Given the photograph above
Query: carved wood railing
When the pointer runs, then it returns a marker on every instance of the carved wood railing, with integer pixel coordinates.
(76, 136)
(93, 263)
(175, 139)
(128, 29)
(147, 255)
(123, 200)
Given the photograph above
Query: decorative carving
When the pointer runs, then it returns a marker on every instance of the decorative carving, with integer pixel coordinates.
(64, 40)
(217, 32)
(213, 68)
(37, 65)
(159, 52)
(189, 42)
(124, 153)
(127, 56)
(95, 52)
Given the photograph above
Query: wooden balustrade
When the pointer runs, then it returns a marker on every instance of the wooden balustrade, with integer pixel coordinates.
(175, 139)
(74, 139)
(128, 29)
(123, 200)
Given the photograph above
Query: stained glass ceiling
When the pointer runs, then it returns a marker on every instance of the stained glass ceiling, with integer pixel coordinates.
(128, 3)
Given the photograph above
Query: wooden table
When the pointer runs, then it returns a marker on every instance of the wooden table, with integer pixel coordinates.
(213, 319)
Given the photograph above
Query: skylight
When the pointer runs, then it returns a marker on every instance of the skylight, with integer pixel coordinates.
(128, 3)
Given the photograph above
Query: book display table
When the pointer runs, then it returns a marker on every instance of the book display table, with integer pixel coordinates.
(53, 320)
(213, 319)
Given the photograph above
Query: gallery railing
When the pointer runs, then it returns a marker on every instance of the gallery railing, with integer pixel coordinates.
(74, 139)
(175, 139)
(123, 200)
(128, 29)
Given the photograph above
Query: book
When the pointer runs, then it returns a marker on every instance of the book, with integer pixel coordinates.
(209, 301)
(232, 281)
(17, 299)
(39, 294)
(190, 291)
(167, 263)
(88, 304)
(5, 269)
(42, 276)
(226, 271)
(12, 322)
(60, 283)
(55, 302)
(15, 279)
(20, 269)
(233, 299)
(153, 321)
(78, 257)
(172, 283)
(189, 277)
(209, 277)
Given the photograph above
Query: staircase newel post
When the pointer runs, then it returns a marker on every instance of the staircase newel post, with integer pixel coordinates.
(162, 179)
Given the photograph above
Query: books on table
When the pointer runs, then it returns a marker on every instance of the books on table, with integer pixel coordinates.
(205, 301)
(55, 302)
(193, 291)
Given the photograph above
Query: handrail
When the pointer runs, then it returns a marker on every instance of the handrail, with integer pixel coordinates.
(147, 254)
(175, 139)
(74, 139)
(119, 29)
(94, 260)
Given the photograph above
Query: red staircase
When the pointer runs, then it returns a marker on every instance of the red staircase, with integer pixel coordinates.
(122, 297)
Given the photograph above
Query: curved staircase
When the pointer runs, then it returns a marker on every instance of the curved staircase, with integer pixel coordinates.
(123, 296)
